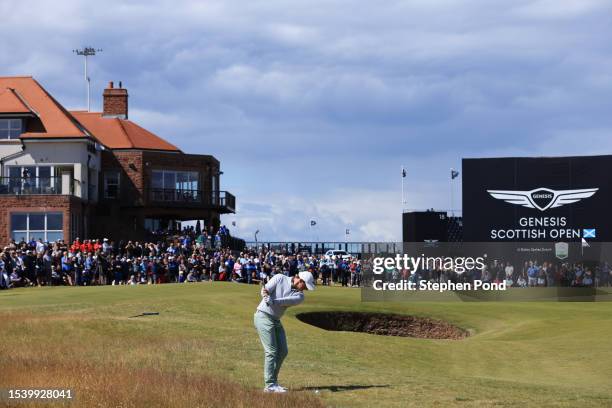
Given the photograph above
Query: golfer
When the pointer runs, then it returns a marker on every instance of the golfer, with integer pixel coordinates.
(278, 294)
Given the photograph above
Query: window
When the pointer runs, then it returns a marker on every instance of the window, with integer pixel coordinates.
(44, 177)
(33, 226)
(10, 128)
(32, 180)
(152, 224)
(170, 185)
(44, 172)
(175, 180)
(215, 188)
(111, 184)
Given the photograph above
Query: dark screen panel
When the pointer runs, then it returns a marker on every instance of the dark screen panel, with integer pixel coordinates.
(483, 214)
(423, 226)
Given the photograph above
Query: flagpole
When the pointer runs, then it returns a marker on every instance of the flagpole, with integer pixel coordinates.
(313, 224)
(311, 234)
(403, 177)
(451, 193)
(311, 230)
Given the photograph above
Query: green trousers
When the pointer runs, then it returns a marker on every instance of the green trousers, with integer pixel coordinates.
(272, 336)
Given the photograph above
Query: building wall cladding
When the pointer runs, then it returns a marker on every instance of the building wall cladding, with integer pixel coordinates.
(123, 218)
(131, 184)
(136, 169)
(204, 164)
(67, 205)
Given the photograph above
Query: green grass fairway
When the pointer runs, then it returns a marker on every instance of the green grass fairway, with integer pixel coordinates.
(532, 354)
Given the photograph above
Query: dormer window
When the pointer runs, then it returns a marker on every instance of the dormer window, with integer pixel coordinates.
(10, 128)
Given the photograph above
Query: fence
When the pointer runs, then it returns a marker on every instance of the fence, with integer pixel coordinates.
(353, 248)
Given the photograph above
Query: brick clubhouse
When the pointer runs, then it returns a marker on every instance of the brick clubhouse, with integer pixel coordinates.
(67, 174)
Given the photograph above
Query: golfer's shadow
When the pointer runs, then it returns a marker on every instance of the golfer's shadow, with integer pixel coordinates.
(339, 388)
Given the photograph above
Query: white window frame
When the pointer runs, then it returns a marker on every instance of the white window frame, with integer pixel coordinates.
(11, 129)
(29, 231)
(7, 173)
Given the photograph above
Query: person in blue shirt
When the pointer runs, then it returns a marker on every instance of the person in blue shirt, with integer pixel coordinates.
(532, 274)
(67, 267)
(155, 270)
(250, 269)
(88, 269)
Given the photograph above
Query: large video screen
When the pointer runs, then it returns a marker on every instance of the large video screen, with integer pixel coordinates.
(545, 199)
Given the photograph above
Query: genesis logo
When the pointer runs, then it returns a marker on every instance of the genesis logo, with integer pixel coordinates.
(542, 198)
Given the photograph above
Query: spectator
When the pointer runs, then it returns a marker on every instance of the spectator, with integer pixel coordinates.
(532, 274)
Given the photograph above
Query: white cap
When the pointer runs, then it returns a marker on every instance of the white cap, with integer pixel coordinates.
(308, 279)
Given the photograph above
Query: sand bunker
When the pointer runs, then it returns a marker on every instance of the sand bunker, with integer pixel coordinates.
(384, 324)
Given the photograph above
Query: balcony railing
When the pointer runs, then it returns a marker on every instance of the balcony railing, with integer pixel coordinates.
(37, 185)
(221, 200)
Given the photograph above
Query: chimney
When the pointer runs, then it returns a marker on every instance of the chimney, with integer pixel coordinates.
(115, 102)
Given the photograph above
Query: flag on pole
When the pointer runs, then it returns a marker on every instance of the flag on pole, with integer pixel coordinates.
(454, 174)
(589, 233)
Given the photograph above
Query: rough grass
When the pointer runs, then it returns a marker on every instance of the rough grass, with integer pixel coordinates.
(202, 350)
(118, 385)
(59, 351)
(110, 363)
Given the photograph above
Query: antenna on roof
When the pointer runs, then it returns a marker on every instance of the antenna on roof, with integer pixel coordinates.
(87, 52)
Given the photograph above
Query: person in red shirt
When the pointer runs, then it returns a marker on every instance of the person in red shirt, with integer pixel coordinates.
(76, 245)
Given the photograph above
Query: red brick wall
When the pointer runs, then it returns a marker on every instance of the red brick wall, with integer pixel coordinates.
(131, 184)
(115, 101)
(67, 205)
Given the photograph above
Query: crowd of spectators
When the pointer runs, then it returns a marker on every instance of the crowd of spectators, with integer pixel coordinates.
(171, 257)
(191, 255)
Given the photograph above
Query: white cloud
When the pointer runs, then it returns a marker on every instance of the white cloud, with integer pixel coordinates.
(551, 9)
(370, 215)
(293, 34)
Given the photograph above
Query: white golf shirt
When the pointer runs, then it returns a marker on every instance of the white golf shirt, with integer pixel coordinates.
(282, 295)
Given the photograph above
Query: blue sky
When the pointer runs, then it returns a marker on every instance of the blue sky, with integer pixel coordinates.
(313, 106)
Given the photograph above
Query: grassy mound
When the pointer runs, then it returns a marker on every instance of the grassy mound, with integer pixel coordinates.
(202, 350)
